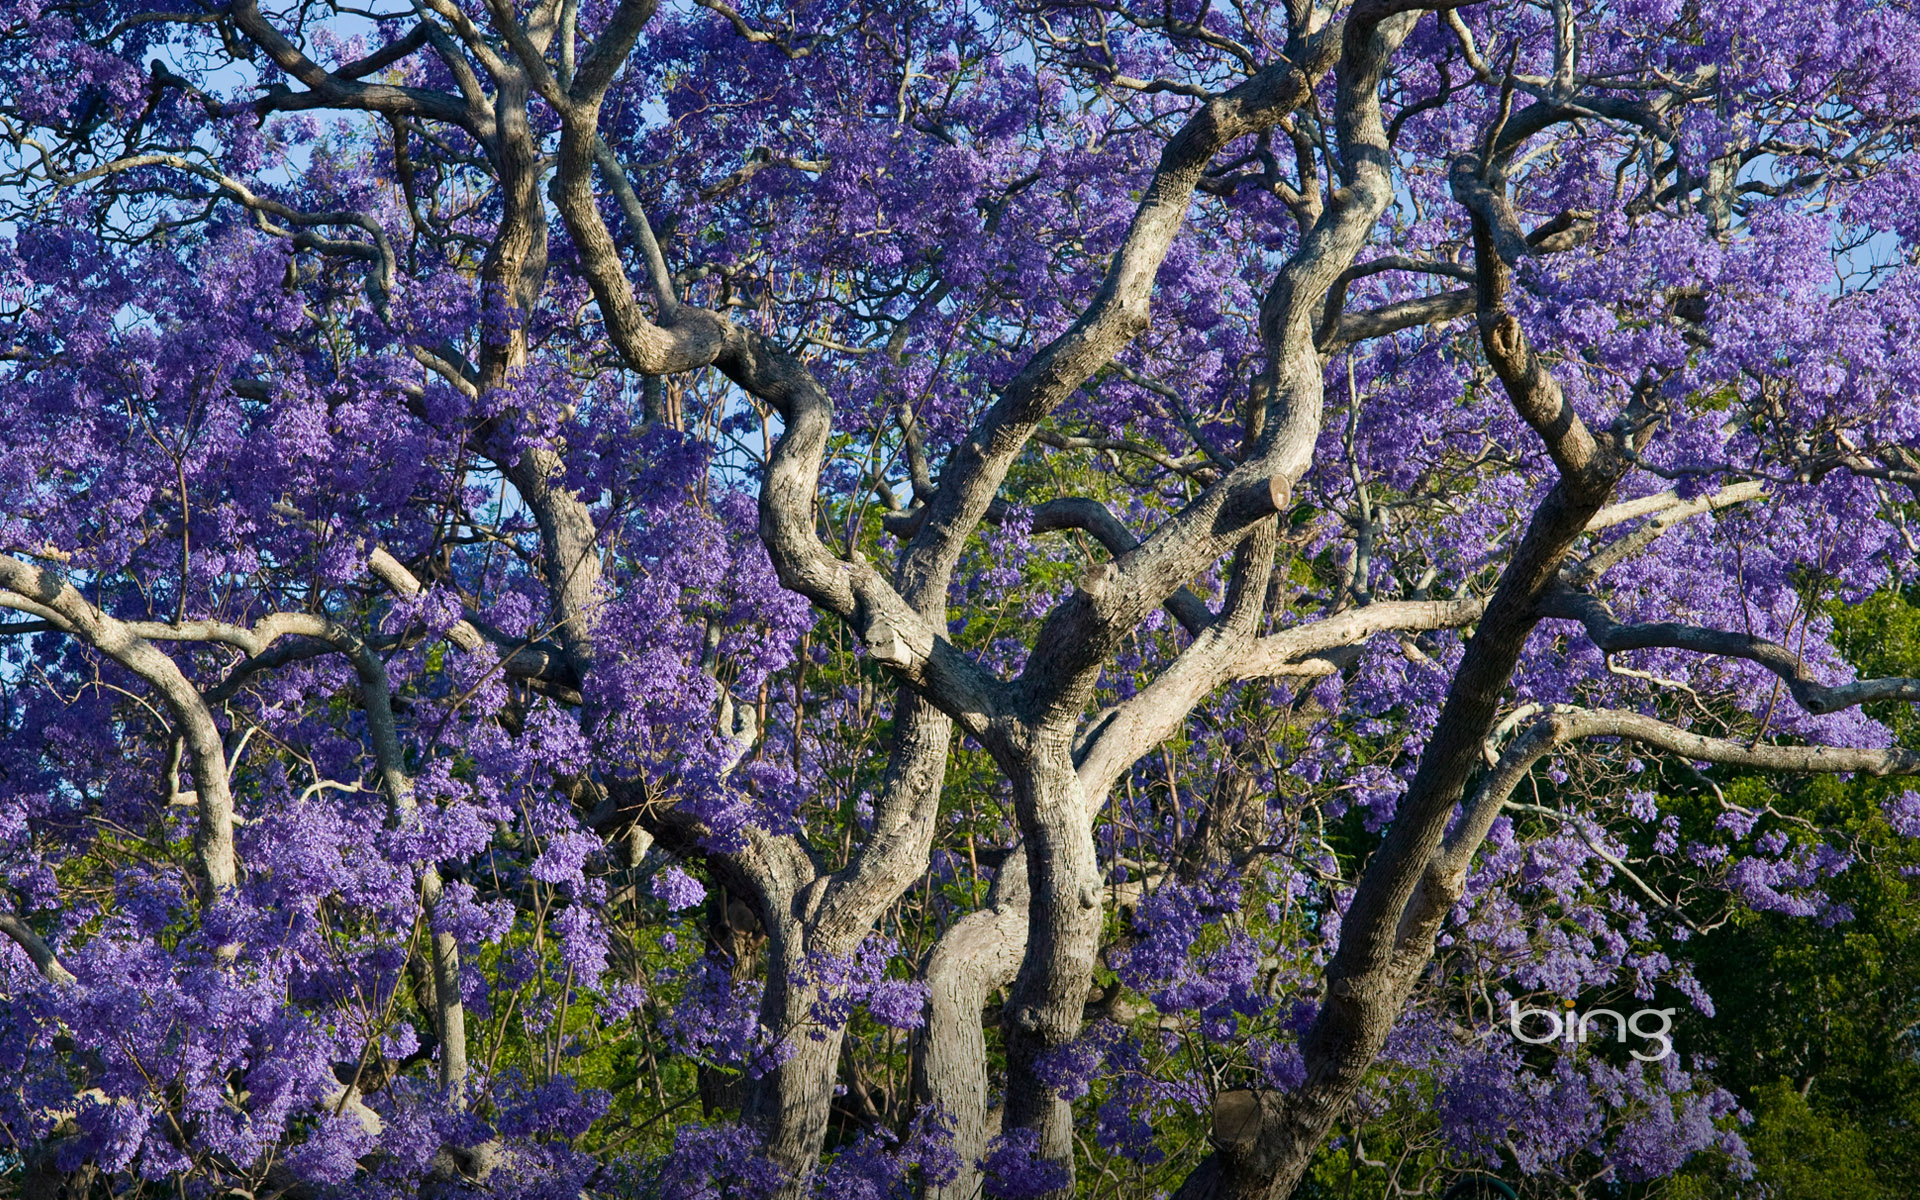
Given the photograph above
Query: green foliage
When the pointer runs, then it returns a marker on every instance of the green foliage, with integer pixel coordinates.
(1804, 1154)
(1881, 636)
(1818, 1029)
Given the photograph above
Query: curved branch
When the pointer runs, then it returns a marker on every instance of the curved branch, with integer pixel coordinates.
(1353, 328)
(1097, 519)
(36, 949)
(393, 52)
(903, 825)
(476, 42)
(1340, 330)
(1089, 516)
(1193, 464)
(659, 277)
(1336, 299)
(1812, 695)
(686, 337)
(47, 595)
(1279, 653)
(1535, 393)
(980, 954)
(1118, 312)
(326, 89)
(890, 627)
(379, 252)
(597, 70)
(1667, 511)
(1286, 404)
(1606, 722)
(377, 701)
(542, 661)
(1121, 734)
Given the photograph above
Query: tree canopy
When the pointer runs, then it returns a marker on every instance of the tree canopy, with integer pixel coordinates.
(931, 598)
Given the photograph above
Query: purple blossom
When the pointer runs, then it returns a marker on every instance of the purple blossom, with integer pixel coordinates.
(379, 574)
(679, 889)
(1903, 813)
(1015, 1170)
(717, 1162)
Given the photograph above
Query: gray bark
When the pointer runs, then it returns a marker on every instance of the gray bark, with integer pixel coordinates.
(1063, 927)
(980, 954)
(830, 914)
(44, 959)
(1263, 1145)
(449, 1014)
(791, 1105)
(46, 595)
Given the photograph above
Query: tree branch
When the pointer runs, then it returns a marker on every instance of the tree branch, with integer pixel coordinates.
(329, 90)
(47, 595)
(37, 949)
(1118, 312)
(376, 699)
(1812, 695)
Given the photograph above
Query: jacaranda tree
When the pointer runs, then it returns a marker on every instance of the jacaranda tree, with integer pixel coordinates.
(1067, 597)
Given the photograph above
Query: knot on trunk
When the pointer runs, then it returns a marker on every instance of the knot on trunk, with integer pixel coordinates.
(1237, 1119)
(1095, 579)
(1249, 1136)
(886, 644)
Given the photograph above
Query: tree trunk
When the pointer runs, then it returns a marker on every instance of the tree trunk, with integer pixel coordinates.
(980, 953)
(1063, 914)
(790, 1106)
